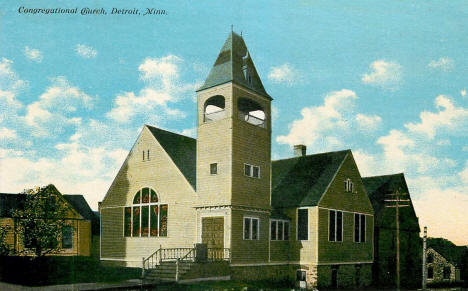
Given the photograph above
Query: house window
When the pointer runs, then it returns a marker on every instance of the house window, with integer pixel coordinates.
(430, 273)
(335, 226)
(359, 228)
(147, 155)
(143, 155)
(430, 258)
(301, 275)
(147, 217)
(252, 171)
(348, 185)
(279, 229)
(303, 224)
(447, 273)
(214, 169)
(67, 237)
(251, 228)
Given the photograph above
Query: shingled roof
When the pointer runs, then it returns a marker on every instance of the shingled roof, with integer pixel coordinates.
(181, 149)
(233, 58)
(301, 181)
(377, 188)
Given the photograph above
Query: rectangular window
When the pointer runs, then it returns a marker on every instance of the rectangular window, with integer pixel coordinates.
(273, 224)
(348, 185)
(251, 228)
(214, 169)
(252, 171)
(280, 230)
(144, 220)
(335, 225)
(154, 220)
(359, 228)
(302, 224)
(163, 221)
(147, 155)
(430, 273)
(136, 221)
(143, 155)
(286, 230)
(67, 237)
(301, 275)
(128, 222)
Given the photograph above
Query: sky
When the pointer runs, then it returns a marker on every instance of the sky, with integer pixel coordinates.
(387, 80)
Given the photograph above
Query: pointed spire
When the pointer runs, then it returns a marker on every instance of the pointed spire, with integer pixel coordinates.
(234, 64)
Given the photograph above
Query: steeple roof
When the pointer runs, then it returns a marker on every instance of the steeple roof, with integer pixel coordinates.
(234, 64)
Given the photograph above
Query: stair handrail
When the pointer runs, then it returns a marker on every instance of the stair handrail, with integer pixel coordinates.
(191, 252)
(153, 258)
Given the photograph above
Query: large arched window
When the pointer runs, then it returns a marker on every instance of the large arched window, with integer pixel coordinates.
(214, 108)
(147, 217)
(251, 112)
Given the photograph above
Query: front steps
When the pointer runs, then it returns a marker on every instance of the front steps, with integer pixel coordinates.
(166, 271)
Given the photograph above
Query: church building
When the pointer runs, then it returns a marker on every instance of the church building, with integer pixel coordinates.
(306, 218)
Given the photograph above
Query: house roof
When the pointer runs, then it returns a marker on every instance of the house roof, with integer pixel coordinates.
(301, 181)
(377, 188)
(447, 249)
(81, 206)
(233, 58)
(181, 149)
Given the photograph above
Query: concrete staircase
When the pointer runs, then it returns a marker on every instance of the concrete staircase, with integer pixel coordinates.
(166, 271)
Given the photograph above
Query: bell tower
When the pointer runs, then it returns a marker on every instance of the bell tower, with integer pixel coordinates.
(234, 132)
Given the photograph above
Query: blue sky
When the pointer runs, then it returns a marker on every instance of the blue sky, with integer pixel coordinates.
(387, 80)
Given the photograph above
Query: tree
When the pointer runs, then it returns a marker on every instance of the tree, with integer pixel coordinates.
(40, 221)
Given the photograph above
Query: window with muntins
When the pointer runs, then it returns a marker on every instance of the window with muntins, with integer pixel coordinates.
(303, 224)
(279, 229)
(251, 228)
(252, 171)
(147, 217)
(67, 237)
(359, 228)
(348, 185)
(335, 226)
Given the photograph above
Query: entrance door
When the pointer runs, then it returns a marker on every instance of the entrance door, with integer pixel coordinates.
(213, 232)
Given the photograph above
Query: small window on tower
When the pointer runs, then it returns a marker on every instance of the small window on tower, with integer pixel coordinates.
(143, 155)
(147, 155)
(214, 169)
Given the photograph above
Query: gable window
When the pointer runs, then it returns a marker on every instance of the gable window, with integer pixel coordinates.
(335, 226)
(279, 229)
(147, 217)
(303, 224)
(359, 228)
(252, 171)
(348, 185)
(67, 237)
(251, 228)
(430, 273)
(430, 258)
(147, 155)
(214, 169)
(143, 155)
(447, 273)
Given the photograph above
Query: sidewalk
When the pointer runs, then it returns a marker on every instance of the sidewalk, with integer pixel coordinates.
(134, 283)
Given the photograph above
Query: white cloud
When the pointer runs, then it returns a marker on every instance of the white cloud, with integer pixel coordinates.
(445, 64)
(323, 127)
(463, 92)
(77, 170)
(464, 174)
(285, 73)
(368, 122)
(384, 74)
(162, 86)
(86, 52)
(57, 107)
(33, 54)
(6, 133)
(192, 132)
(10, 86)
(449, 118)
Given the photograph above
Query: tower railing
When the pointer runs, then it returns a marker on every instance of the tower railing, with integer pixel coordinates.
(252, 119)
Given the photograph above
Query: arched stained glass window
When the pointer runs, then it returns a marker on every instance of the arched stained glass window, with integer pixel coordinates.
(147, 217)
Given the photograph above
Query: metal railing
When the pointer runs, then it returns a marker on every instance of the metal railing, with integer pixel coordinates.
(252, 119)
(213, 116)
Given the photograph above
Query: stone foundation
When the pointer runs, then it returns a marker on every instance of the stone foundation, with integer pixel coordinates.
(264, 272)
(348, 276)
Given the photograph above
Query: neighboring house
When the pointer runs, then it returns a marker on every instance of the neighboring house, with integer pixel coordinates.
(308, 216)
(76, 239)
(384, 269)
(444, 260)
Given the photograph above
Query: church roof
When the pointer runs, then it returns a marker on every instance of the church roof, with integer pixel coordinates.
(181, 149)
(301, 181)
(233, 58)
(377, 188)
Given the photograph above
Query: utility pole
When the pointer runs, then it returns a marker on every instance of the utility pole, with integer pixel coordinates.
(424, 269)
(396, 202)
